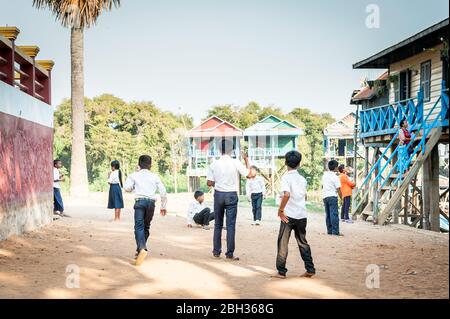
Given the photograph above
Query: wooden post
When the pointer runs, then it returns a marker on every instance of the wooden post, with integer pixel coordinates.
(405, 207)
(430, 190)
(398, 207)
(11, 34)
(355, 147)
(375, 193)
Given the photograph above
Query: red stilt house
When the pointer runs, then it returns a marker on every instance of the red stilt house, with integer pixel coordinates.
(204, 146)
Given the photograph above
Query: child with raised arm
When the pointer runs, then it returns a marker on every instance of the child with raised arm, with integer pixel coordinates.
(293, 215)
(256, 191)
(145, 184)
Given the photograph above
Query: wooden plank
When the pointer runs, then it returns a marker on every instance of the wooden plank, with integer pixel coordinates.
(430, 191)
(433, 140)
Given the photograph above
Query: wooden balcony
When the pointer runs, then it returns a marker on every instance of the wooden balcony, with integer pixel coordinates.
(385, 120)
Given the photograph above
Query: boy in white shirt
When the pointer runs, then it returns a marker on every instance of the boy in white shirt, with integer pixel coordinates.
(58, 204)
(331, 189)
(223, 174)
(255, 190)
(293, 214)
(144, 184)
(198, 213)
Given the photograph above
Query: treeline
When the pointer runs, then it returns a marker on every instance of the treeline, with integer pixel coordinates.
(310, 143)
(119, 130)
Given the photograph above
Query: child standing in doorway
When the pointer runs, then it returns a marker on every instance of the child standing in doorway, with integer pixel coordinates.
(115, 200)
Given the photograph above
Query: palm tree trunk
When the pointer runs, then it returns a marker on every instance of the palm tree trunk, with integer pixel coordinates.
(78, 170)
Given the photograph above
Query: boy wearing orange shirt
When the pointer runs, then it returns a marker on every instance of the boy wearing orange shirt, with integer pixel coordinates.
(346, 188)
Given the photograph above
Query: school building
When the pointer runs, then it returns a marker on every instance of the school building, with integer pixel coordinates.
(26, 137)
(399, 187)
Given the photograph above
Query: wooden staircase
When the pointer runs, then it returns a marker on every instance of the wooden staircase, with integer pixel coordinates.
(384, 194)
(398, 190)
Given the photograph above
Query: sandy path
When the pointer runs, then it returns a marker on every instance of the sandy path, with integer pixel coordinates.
(415, 263)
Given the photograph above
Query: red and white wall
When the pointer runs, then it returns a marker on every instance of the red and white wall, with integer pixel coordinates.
(26, 163)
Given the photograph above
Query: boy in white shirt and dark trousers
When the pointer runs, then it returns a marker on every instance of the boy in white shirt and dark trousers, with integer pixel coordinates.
(144, 184)
(293, 214)
(331, 189)
(198, 213)
(255, 191)
(223, 175)
(58, 205)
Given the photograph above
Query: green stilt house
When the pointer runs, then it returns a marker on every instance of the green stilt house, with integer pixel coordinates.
(268, 140)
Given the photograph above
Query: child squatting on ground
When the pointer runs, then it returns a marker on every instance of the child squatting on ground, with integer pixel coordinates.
(144, 184)
(198, 213)
(293, 215)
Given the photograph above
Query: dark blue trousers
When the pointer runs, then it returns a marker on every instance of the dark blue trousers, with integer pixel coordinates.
(257, 200)
(332, 215)
(225, 203)
(144, 210)
(58, 205)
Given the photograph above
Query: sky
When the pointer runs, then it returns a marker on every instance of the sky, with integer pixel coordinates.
(187, 56)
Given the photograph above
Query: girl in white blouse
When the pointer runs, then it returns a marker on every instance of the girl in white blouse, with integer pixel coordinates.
(115, 200)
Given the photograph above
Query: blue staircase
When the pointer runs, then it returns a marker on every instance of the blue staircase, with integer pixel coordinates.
(388, 178)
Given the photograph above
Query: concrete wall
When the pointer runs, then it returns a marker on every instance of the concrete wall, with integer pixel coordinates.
(26, 181)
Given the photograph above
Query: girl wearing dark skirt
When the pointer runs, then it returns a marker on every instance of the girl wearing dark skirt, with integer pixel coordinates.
(115, 200)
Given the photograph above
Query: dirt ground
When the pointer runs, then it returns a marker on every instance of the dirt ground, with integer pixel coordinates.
(412, 263)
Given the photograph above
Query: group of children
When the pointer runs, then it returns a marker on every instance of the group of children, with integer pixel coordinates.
(292, 209)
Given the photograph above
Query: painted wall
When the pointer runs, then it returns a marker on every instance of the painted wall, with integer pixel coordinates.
(26, 138)
(413, 63)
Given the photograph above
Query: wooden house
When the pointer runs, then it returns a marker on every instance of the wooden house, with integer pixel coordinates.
(417, 90)
(204, 143)
(268, 140)
(339, 141)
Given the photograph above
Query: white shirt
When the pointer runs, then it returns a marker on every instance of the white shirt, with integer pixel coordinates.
(144, 184)
(194, 208)
(114, 177)
(296, 185)
(330, 184)
(255, 186)
(225, 173)
(56, 177)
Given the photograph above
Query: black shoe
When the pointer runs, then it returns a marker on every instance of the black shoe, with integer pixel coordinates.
(216, 255)
(232, 258)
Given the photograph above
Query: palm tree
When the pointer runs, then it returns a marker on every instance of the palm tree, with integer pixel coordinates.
(77, 15)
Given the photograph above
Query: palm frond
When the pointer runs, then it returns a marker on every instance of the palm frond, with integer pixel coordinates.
(77, 13)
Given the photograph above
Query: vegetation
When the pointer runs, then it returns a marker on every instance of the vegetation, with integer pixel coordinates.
(77, 15)
(123, 131)
(311, 142)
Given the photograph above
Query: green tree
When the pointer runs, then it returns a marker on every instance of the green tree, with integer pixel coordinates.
(311, 143)
(122, 131)
(77, 15)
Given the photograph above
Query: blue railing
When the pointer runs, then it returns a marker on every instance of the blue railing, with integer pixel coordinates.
(376, 174)
(384, 119)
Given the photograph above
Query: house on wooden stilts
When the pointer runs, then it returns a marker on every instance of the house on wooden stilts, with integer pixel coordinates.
(339, 141)
(205, 143)
(269, 140)
(400, 187)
